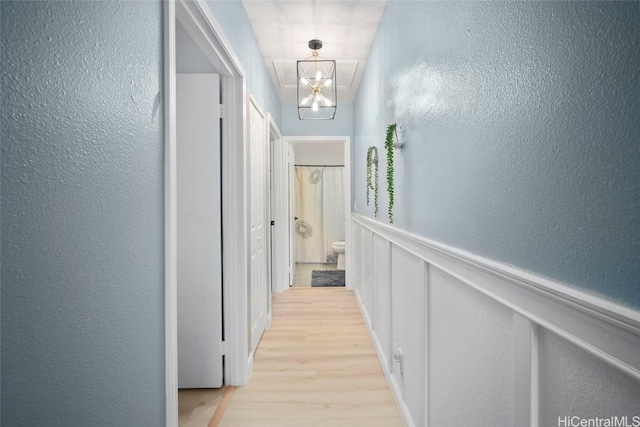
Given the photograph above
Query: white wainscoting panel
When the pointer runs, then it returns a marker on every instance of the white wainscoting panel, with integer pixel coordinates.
(382, 295)
(485, 344)
(470, 355)
(573, 382)
(408, 329)
(366, 290)
(359, 253)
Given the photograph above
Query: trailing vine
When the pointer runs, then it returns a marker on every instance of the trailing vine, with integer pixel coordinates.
(388, 144)
(372, 181)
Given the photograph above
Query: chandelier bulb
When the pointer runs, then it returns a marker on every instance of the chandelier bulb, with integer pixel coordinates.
(318, 76)
(327, 82)
(314, 106)
(326, 101)
(304, 81)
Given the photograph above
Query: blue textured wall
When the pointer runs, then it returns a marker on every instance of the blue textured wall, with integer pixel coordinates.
(82, 214)
(341, 125)
(1, 97)
(521, 129)
(237, 29)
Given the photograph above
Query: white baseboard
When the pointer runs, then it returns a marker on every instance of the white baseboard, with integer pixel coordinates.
(384, 363)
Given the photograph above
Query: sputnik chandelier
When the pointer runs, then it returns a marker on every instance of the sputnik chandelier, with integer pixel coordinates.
(317, 91)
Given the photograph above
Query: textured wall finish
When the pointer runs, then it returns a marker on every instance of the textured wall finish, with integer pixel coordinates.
(0, 223)
(82, 214)
(520, 129)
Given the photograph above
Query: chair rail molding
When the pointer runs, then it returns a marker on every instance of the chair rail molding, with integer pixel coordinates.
(411, 288)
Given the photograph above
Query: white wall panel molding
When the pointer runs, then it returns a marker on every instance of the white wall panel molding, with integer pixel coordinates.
(469, 330)
(526, 371)
(407, 329)
(603, 328)
(427, 320)
(385, 363)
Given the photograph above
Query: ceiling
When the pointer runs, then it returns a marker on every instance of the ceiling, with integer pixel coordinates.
(284, 28)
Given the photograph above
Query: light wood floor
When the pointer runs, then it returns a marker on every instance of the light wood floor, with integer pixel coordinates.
(315, 366)
(197, 406)
(302, 277)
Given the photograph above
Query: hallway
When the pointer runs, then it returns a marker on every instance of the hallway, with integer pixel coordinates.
(315, 366)
(492, 231)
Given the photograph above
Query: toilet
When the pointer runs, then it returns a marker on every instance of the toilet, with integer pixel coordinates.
(338, 247)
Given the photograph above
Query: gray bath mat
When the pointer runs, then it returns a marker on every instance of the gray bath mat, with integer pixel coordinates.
(327, 278)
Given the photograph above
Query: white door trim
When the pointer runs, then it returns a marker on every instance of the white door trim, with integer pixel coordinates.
(279, 259)
(201, 25)
(288, 140)
(170, 219)
(276, 253)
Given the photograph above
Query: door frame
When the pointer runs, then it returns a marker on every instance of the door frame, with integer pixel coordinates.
(346, 140)
(275, 210)
(201, 25)
(279, 213)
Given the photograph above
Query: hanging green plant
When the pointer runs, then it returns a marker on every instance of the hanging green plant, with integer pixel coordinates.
(372, 177)
(388, 144)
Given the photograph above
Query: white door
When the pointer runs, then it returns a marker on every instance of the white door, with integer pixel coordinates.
(199, 239)
(280, 215)
(258, 287)
(273, 214)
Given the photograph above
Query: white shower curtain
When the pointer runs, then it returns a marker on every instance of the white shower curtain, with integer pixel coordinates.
(320, 211)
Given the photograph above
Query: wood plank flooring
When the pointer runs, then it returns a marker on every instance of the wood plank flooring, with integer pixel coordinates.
(197, 406)
(315, 366)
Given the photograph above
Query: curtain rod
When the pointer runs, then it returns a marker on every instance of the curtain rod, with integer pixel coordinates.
(322, 166)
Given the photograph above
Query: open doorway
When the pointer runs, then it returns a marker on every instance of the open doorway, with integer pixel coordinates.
(318, 200)
(199, 233)
(205, 159)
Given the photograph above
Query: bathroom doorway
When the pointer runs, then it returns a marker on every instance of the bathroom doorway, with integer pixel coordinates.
(319, 199)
